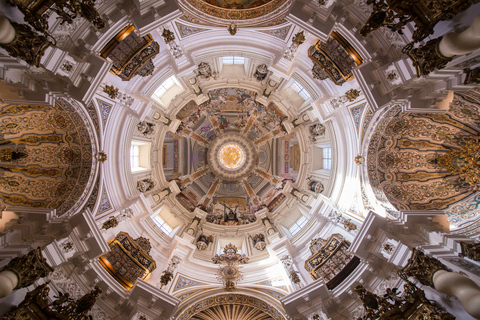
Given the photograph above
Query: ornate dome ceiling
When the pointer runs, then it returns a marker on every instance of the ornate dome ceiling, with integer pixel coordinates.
(237, 151)
(277, 138)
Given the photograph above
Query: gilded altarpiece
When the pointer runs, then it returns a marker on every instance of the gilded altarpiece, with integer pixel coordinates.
(405, 153)
(45, 156)
(330, 260)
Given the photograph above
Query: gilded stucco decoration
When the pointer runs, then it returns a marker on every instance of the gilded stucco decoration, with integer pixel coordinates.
(37, 305)
(408, 153)
(45, 156)
(413, 305)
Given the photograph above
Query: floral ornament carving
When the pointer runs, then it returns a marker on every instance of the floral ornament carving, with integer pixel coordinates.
(359, 159)
(101, 156)
(232, 29)
(29, 268)
(111, 222)
(111, 91)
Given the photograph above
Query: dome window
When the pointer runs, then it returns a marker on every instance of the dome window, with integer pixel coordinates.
(167, 91)
(233, 60)
(298, 225)
(139, 156)
(297, 87)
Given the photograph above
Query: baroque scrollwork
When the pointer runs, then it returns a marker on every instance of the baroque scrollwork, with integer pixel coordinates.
(27, 45)
(413, 306)
(29, 268)
(422, 267)
(36, 305)
(471, 250)
(426, 58)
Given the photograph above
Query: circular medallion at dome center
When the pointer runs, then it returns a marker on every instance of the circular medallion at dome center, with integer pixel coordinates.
(231, 156)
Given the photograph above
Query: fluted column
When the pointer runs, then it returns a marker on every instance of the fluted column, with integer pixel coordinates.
(455, 44)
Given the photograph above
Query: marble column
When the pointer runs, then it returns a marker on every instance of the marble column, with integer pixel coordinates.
(23, 271)
(461, 287)
(431, 272)
(456, 44)
(7, 32)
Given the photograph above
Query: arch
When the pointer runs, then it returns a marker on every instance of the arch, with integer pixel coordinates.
(212, 305)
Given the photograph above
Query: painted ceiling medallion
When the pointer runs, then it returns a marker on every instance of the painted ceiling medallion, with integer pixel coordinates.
(231, 157)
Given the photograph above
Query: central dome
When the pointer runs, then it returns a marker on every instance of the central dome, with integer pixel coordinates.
(231, 156)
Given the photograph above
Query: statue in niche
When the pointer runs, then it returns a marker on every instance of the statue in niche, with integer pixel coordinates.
(230, 216)
(317, 130)
(259, 241)
(145, 185)
(316, 186)
(203, 242)
(261, 72)
(146, 128)
(110, 223)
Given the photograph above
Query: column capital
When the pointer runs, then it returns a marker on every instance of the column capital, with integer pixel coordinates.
(422, 267)
(29, 268)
